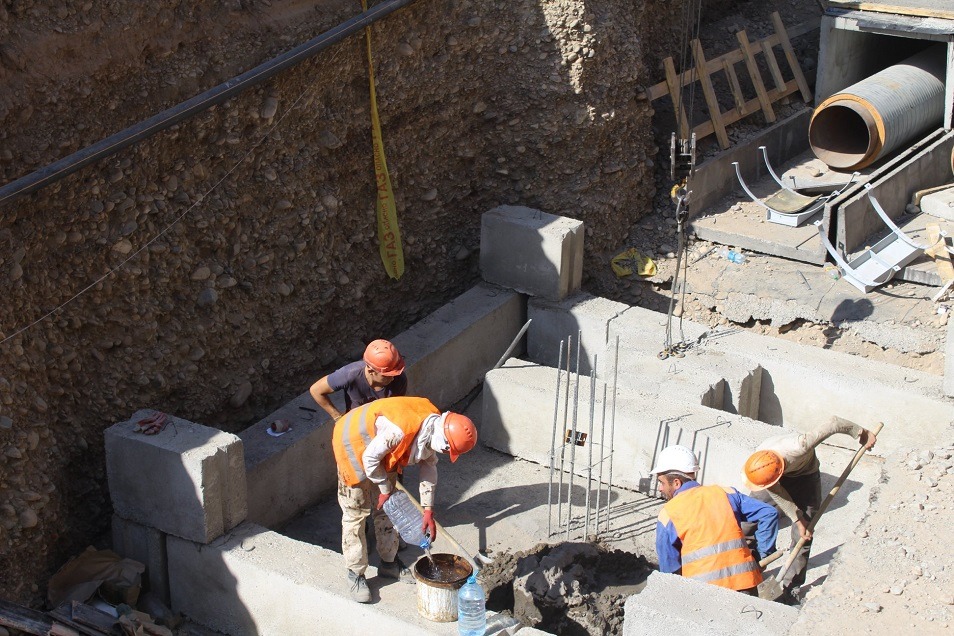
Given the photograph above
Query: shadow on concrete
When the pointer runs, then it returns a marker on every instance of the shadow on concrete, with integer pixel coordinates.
(848, 310)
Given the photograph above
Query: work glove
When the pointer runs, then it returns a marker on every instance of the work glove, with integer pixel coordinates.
(429, 526)
(382, 498)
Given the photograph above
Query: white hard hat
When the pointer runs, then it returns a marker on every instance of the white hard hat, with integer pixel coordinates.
(678, 458)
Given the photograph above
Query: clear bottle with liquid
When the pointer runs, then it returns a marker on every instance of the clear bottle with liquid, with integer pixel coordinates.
(407, 519)
(471, 608)
(732, 255)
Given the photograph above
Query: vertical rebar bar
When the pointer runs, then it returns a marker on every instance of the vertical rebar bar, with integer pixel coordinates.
(599, 480)
(589, 443)
(556, 414)
(566, 412)
(576, 410)
(609, 490)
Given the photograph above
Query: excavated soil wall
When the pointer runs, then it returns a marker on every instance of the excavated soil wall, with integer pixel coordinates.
(245, 237)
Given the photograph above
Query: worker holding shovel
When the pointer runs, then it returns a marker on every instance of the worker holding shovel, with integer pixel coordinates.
(372, 444)
(787, 467)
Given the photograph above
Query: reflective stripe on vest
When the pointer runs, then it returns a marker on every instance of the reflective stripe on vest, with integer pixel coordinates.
(356, 429)
(713, 547)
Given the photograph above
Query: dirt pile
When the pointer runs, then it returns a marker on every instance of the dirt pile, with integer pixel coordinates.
(566, 588)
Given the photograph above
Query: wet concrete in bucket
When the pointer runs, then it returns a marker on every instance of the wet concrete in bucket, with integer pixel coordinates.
(566, 588)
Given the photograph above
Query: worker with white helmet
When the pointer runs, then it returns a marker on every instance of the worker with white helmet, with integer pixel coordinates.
(374, 442)
(379, 374)
(698, 533)
(787, 467)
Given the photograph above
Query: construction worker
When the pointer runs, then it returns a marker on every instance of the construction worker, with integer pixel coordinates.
(787, 467)
(379, 375)
(372, 443)
(698, 533)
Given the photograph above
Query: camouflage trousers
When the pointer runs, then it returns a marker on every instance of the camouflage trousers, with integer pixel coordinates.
(357, 504)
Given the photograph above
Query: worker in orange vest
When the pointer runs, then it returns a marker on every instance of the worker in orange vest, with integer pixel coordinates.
(787, 468)
(379, 374)
(372, 444)
(698, 531)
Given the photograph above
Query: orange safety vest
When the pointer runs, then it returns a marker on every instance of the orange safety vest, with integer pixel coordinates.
(713, 546)
(355, 430)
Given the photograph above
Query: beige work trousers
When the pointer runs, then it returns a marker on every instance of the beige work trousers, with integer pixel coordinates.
(357, 503)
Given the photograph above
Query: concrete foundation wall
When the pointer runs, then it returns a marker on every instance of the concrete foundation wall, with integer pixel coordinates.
(578, 316)
(147, 545)
(703, 610)
(289, 473)
(517, 418)
(201, 472)
(448, 353)
(531, 251)
(257, 582)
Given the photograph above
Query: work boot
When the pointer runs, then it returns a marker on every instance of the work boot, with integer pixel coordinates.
(359, 587)
(396, 570)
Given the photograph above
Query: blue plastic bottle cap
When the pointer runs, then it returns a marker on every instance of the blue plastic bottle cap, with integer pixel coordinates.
(472, 578)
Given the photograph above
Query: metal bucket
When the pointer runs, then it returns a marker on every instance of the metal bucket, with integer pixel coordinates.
(437, 585)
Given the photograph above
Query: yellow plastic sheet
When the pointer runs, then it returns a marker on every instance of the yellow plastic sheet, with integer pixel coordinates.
(632, 262)
(389, 235)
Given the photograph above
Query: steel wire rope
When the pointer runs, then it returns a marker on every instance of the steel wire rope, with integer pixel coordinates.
(681, 192)
(201, 198)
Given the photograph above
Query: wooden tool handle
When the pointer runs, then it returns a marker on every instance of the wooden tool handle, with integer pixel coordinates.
(440, 528)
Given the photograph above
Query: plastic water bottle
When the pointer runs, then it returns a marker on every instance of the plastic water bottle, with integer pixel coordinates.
(471, 610)
(407, 519)
(732, 255)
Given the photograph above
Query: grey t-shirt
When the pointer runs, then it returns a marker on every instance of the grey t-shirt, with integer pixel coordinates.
(357, 392)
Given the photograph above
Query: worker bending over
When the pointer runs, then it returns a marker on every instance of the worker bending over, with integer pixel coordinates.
(787, 467)
(698, 533)
(372, 443)
(379, 375)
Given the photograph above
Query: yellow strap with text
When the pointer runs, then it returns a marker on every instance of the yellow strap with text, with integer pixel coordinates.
(389, 235)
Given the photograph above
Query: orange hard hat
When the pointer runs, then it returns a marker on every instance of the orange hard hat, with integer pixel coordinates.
(763, 469)
(383, 357)
(460, 433)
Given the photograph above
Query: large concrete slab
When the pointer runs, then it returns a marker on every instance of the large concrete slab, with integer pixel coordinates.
(939, 204)
(531, 251)
(690, 608)
(147, 545)
(949, 361)
(201, 471)
(289, 473)
(254, 582)
(582, 318)
(448, 352)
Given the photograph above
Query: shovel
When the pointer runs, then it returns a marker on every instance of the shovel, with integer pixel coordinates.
(771, 589)
(478, 557)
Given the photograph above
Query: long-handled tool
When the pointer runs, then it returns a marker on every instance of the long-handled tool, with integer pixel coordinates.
(473, 559)
(771, 589)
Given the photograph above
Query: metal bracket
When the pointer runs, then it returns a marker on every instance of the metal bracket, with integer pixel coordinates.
(878, 264)
(788, 207)
(682, 157)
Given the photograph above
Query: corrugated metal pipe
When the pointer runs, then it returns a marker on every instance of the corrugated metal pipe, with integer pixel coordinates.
(866, 121)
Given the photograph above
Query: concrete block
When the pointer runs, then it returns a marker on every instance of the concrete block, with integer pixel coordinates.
(691, 608)
(531, 251)
(147, 545)
(939, 204)
(256, 582)
(554, 321)
(949, 360)
(199, 471)
(287, 474)
(449, 351)
(517, 418)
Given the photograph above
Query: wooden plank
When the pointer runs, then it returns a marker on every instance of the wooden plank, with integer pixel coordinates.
(705, 128)
(755, 76)
(675, 93)
(790, 56)
(734, 56)
(24, 619)
(923, 12)
(774, 70)
(938, 251)
(715, 111)
(734, 85)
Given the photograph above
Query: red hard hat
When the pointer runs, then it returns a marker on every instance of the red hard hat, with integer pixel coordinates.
(383, 357)
(460, 433)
